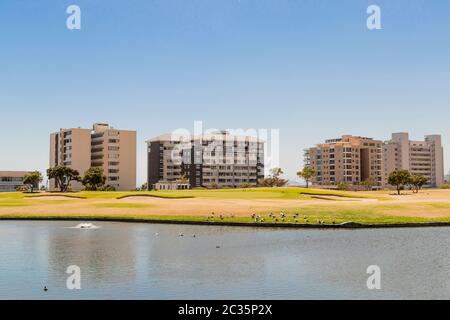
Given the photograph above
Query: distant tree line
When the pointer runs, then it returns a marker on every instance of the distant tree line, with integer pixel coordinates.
(93, 179)
(398, 179)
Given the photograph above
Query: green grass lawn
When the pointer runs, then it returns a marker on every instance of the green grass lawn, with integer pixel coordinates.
(328, 212)
(310, 216)
(250, 193)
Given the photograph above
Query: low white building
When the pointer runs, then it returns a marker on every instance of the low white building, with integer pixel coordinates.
(11, 180)
(171, 185)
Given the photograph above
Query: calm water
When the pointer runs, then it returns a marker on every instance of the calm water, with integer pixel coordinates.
(128, 261)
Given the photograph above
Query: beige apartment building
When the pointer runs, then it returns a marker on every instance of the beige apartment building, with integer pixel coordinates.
(217, 160)
(424, 158)
(349, 159)
(102, 146)
(352, 159)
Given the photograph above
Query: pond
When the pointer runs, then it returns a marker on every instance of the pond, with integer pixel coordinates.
(163, 261)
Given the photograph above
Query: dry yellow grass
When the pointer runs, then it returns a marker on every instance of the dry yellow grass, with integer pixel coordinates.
(369, 207)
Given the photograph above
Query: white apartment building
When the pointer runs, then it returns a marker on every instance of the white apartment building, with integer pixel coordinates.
(217, 160)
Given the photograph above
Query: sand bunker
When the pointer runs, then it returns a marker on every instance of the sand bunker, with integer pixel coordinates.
(49, 197)
(337, 198)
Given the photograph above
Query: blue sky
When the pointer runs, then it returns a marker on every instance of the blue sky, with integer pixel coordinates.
(309, 68)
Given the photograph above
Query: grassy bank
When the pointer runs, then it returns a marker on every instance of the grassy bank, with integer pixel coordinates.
(300, 206)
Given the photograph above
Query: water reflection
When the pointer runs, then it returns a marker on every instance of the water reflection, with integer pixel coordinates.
(104, 255)
(125, 260)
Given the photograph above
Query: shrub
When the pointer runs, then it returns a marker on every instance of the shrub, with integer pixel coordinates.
(343, 186)
(22, 189)
(106, 188)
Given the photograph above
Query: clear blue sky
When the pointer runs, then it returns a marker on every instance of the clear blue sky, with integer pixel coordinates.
(309, 68)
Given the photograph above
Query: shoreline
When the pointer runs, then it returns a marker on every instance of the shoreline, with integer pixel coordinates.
(345, 225)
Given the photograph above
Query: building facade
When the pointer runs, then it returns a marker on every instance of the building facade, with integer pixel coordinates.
(10, 181)
(352, 159)
(217, 160)
(349, 160)
(102, 146)
(424, 158)
(171, 185)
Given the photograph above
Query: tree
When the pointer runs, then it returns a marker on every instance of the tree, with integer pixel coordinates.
(94, 178)
(275, 174)
(368, 183)
(417, 182)
(399, 178)
(32, 179)
(307, 173)
(144, 186)
(63, 176)
(274, 179)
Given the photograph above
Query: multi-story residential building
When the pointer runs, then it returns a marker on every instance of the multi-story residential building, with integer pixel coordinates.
(424, 158)
(217, 160)
(349, 160)
(11, 180)
(102, 146)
